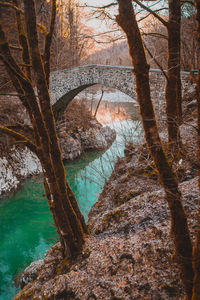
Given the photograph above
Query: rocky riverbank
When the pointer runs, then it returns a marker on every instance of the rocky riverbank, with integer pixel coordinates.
(19, 163)
(128, 254)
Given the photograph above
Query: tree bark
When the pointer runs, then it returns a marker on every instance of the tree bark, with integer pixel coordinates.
(173, 86)
(67, 217)
(55, 163)
(196, 250)
(182, 242)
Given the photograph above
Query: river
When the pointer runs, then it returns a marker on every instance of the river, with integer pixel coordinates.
(25, 221)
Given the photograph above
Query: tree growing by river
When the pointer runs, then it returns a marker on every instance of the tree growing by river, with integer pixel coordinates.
(171, 32)
(30, 78)
(187, 255)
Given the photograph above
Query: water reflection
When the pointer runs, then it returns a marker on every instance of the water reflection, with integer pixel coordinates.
(109, 112)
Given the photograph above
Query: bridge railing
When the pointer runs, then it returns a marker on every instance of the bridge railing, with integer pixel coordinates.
(111, 67)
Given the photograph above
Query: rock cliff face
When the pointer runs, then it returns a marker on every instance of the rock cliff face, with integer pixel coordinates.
(21, 163)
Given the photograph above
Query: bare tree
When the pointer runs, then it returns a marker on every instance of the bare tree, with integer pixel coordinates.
(173, 84)
(196, 249)
(70, 39)
(179, 227)
(42, 137)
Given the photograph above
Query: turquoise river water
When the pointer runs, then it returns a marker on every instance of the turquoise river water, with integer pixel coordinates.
(26, 229)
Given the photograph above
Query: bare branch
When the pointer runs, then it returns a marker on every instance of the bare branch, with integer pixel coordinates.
(155, 34)
(15, 69)
(19, 138)
(8, 4)
(20, 81)
(152, 12)
(48, 41)
(102, 33)
(15, 47)
(23, 42)
(41, 6)
(20, 126)
(5, 84)
(99, 7)
(42, 28)
(19, 10)
(14, 95)
(102, 92)
(155, 60)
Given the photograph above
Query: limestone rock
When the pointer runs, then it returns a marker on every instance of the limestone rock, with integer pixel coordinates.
(73, 144)
(70, 147)
(97, 138)
(31, 272)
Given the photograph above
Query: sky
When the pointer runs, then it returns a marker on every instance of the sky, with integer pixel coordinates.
(97, 25)
(103, 26)
(95, 2)
(92, 21)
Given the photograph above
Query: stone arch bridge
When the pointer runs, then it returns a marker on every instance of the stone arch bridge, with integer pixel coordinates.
(66, 84)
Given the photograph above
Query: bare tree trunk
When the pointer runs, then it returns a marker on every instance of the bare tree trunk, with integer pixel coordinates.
(183, 246)
(55, 159)
(196, 250)
(173, 86)
(67, 217)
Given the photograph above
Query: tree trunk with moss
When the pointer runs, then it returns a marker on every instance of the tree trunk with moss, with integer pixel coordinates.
(173, 86)
(43, 142)
(182, 242)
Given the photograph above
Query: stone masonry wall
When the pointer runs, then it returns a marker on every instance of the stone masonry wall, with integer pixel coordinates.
(66, 84)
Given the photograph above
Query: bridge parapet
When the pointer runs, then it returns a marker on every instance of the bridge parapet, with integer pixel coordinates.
(66, 84)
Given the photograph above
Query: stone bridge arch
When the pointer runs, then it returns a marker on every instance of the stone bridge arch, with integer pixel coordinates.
(66, 84)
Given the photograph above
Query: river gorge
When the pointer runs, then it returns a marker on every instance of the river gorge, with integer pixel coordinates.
(25, 220)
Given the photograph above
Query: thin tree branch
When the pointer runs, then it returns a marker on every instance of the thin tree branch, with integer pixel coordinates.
(155, 34)
(15, 69)
(20, 126)
(102, 33)
(48, 41)
(19, 138)
(152, 12)
(23, 42)
(99, 7)
(8, 4)
(102, 92)
(15, 47)
(42, 27)
(8, 82)
(155, 60)
(14, 95)
(20, 82)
